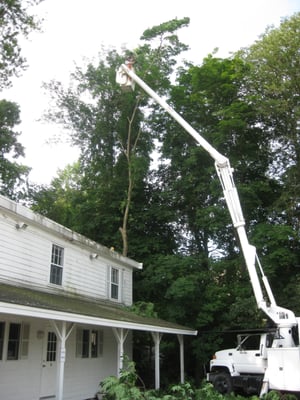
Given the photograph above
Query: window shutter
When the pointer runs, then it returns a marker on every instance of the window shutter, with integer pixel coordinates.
(25, 341)
(101, 343)
(79, 334)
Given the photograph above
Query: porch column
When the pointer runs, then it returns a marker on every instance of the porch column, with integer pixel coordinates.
(181, 351)
(62, 359)
(63, 336)
(157, 338)
(120, 335)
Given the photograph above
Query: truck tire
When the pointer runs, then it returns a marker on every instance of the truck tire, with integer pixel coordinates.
(222, 383)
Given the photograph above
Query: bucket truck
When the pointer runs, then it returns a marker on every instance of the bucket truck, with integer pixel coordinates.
(263, 360)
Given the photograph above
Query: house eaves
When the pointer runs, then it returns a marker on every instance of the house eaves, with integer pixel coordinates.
(28, 302)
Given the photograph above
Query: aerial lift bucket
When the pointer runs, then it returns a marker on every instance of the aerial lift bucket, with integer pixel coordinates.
(127, 84)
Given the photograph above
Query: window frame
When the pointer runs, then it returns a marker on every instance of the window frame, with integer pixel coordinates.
(51, 352)
(89, 343)
(56, 265)
(19, 345)
(13, 341)
(115, 283)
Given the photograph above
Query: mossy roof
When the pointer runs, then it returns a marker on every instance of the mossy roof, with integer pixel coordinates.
(100, 312)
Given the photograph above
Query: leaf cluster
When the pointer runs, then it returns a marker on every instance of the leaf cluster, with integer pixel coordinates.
(12, 175)
(127, 387)
(15, 23)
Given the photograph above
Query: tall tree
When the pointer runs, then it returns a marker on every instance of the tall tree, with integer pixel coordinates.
(15, 22)
(113, 131)
(12, 175)
(273, 82)
(211, 97)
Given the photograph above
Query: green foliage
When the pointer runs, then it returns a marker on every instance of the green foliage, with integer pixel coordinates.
(274, 84)
(15, 23)
(12, 175)
(276, 395)
(164, 29)
(212, 99)
(126, 388)
(208, 392)
(144, 309)
(122, 388)
(60, 201)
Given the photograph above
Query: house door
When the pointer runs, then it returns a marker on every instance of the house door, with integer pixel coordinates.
(49, 366)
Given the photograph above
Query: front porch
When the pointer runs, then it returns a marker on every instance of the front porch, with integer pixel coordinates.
(90, 339)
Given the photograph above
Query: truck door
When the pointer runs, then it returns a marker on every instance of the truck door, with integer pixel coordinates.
(250, 355)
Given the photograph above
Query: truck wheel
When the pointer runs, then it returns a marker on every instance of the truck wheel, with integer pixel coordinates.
(222, 383)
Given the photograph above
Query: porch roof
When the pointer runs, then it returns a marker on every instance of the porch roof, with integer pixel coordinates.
(30, 302)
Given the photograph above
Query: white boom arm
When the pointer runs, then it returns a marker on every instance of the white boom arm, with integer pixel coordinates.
(281, 316)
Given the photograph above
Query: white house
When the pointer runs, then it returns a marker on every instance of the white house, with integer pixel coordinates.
(64, 324)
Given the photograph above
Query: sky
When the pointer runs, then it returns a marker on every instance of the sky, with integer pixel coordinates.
(73, 31)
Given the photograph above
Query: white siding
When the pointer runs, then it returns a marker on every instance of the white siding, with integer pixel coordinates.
(20, 378)
(25, 257)
(83, 375)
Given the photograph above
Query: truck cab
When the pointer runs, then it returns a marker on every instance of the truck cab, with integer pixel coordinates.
(241, 368)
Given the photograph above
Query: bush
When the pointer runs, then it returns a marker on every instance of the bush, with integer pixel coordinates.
(130, 387)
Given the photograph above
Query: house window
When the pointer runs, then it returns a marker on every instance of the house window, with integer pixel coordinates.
(13, 341)
(2, 327)
(96, 345)
(114, 283)
(89, 343)
(17, 342)
(51, 347)
(82, 343)
(85, 343)
(57, 260)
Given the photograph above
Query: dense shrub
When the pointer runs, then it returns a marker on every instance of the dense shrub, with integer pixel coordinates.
(130, 387)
